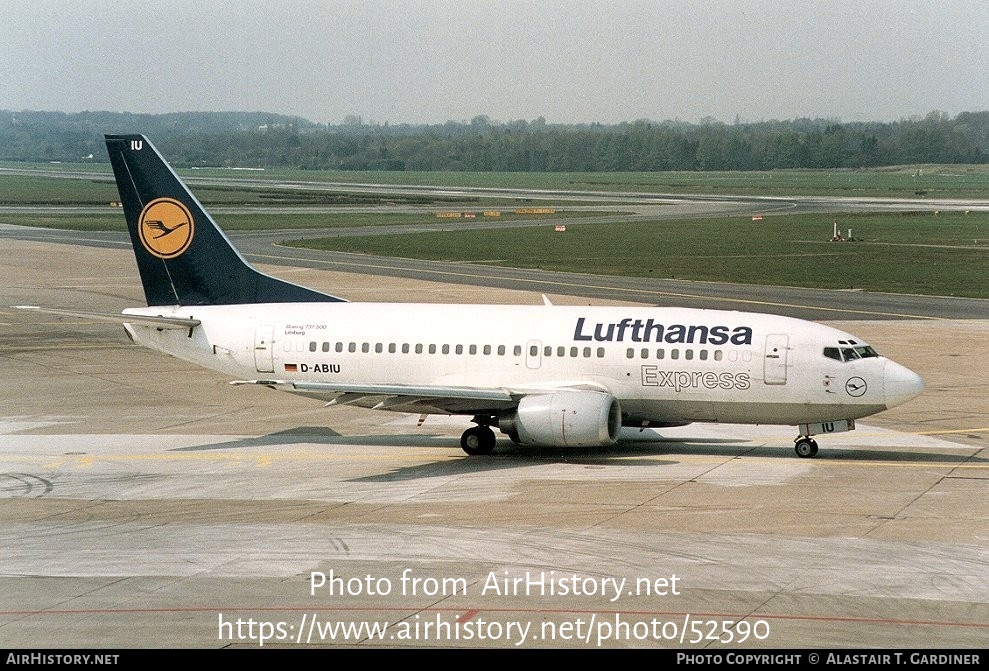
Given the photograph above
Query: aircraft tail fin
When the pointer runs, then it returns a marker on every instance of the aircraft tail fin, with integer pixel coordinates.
(183, 257)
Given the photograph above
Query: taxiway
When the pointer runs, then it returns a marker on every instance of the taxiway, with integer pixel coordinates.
(147, 503)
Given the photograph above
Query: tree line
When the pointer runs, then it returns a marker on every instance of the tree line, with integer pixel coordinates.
(258, 139)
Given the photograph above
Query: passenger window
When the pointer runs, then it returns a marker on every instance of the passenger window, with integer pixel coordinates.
(501, 350)
(459, 349)
(561, 351)
(446, 349)
(548, 351)
(674, 353)
(378, 348)
(689, 354)
(517, 350)
(533, 351)
(574, 351)
(326, 347)
(661, 353)
(392, 348)
(312, 346)
(339, 347)
(630, 353)
(718, 355)
(587, 352)
(352, 347)
(703, 355)
(432, 348)
(600, 352)
(419, 348)
(405, 348)
(365, 347)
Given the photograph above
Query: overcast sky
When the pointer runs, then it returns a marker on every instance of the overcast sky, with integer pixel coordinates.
(431, 61)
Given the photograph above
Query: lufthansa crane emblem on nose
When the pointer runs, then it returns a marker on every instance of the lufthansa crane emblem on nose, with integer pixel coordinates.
(165, 227)
(856, 386)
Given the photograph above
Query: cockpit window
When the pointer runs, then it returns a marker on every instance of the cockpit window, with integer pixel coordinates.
(850, 353)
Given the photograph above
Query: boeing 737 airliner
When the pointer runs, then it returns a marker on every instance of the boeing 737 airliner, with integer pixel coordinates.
(544, 375)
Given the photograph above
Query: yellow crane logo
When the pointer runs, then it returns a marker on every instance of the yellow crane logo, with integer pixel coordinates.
(165, 228)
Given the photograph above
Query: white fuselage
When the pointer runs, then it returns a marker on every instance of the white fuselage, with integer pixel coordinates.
(664, 365)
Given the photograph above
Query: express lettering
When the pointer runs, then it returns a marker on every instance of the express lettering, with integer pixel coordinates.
(678, 380)
(637, 330)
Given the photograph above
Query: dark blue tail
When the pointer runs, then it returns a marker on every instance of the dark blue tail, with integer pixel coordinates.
(183, 256)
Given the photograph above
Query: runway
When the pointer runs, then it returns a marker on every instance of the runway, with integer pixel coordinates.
(814, 304)
(150, 504)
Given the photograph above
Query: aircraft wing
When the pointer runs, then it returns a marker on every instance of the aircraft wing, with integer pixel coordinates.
(425, 399)
(157, 321)
(401, 398)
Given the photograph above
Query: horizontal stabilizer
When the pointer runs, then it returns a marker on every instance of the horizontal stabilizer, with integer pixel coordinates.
(156, 321)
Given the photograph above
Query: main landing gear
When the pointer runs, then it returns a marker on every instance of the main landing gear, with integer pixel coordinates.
(805, 447)
(478, 440)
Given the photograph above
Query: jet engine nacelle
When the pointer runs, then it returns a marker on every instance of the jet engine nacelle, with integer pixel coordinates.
(565, 419)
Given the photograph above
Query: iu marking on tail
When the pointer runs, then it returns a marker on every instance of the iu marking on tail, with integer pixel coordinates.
(544, 375)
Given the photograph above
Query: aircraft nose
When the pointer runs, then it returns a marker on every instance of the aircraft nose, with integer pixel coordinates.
(900, 384)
